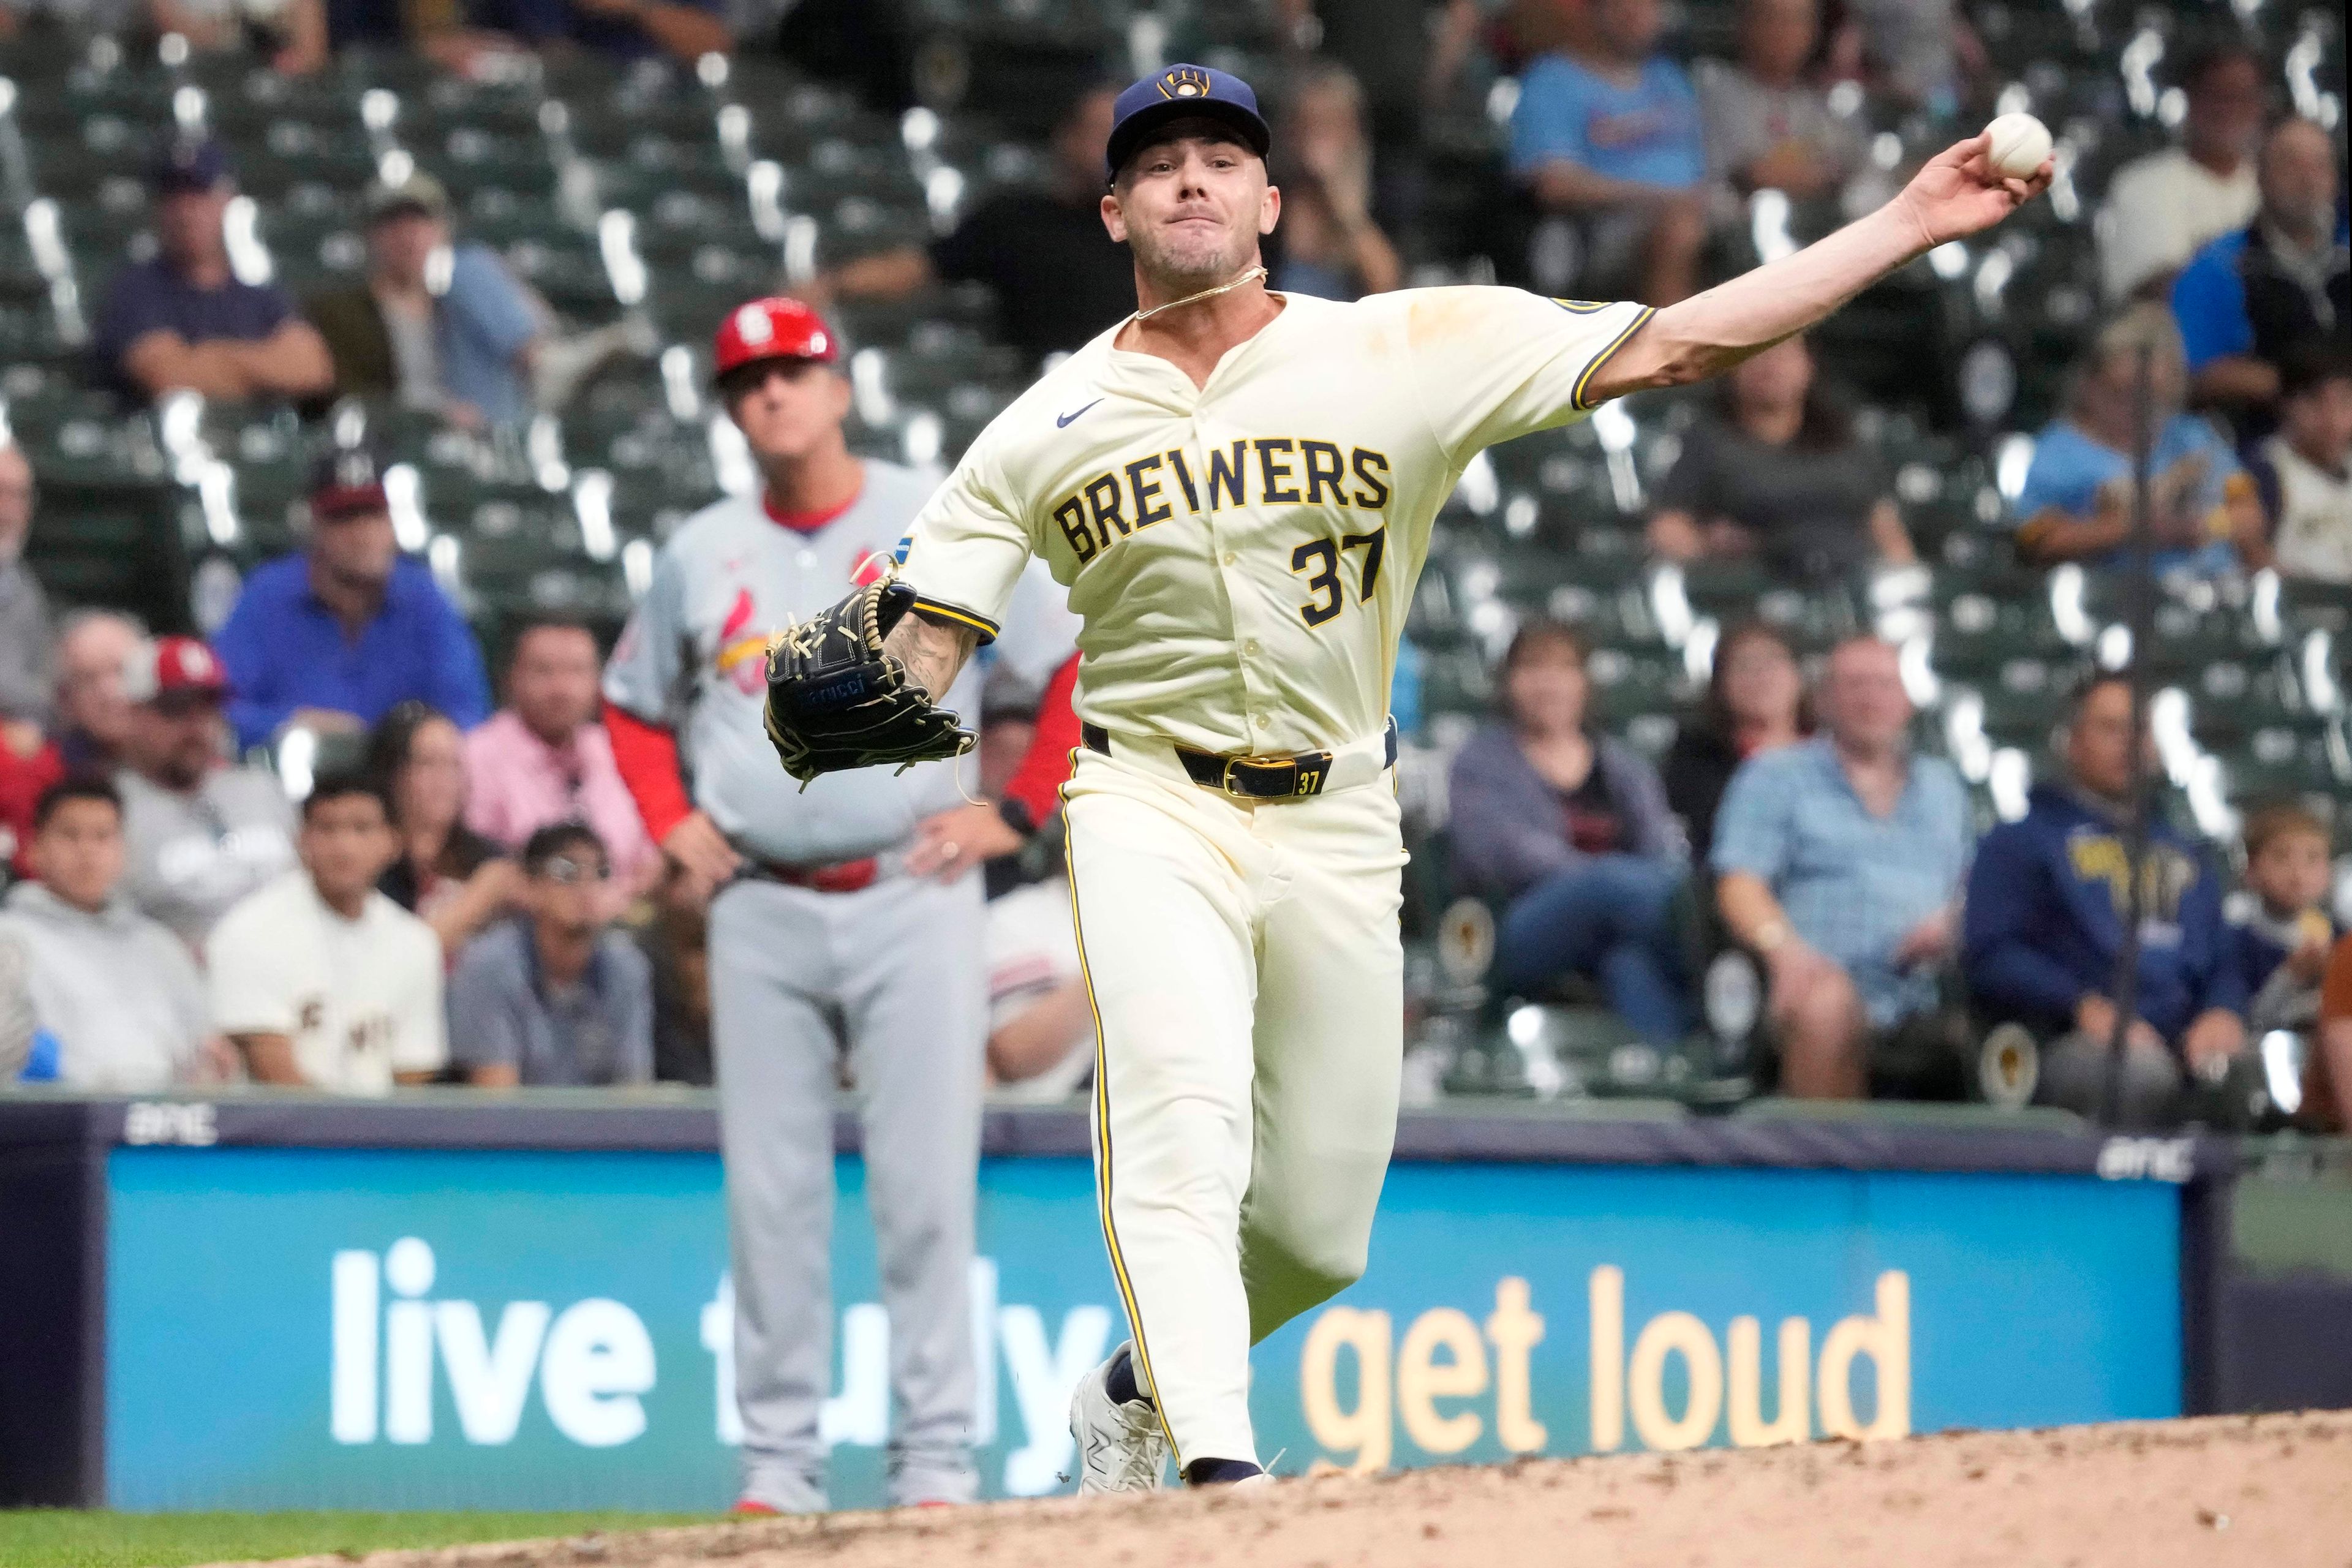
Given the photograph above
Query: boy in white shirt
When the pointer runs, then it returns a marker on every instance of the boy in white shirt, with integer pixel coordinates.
(318, 979)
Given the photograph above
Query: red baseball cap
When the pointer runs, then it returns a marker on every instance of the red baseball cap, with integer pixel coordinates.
(772, 328)
(167, 666)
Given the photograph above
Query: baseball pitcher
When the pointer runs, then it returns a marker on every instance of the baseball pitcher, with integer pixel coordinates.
(1237, 487)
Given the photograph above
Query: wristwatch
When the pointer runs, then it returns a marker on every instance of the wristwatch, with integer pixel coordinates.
(1017, 817)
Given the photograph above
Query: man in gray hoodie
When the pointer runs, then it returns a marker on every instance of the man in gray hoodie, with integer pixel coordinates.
(116, 990)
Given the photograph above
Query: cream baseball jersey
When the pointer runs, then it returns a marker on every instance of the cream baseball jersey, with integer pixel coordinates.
(1244, 554)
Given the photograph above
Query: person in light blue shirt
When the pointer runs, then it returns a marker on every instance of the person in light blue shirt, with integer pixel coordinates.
(1840, 860)
(437, 324)
(1610, 139)
(335, 635)
(2205, 517)
(487, 327)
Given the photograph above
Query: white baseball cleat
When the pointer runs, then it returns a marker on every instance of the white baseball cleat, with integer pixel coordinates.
(1120, 1447)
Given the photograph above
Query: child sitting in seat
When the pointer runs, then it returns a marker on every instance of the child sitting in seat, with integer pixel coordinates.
(2280, 935)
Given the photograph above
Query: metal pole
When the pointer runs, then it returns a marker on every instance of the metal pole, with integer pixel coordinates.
(2142, 618)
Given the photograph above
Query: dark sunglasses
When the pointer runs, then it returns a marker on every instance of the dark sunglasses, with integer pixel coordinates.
(565, 869)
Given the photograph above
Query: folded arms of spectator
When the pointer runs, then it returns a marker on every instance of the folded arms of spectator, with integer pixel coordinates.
(292, 362)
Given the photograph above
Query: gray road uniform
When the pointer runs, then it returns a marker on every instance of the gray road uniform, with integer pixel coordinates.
(892, 971)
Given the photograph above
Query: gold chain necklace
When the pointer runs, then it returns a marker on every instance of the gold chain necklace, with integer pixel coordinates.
(1204, 294)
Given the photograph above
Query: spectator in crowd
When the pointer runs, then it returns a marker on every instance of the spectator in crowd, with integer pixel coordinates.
(22, 1039)
(1058, 277)
(2047, 909)
(1769, 124)
(25, 633)
(2327, 1071)
(185, 320)
(2280, 934)
(446, 874)
(1041, 1021)
(2250, 296)
(116, 990)
(439, 325)
(1754, 702)
(2162, 208)
(622, 29)
(1607, 133)
(290, 33)
(2304, 472)
(1571, 827)
(546, 757)
(1922, 54)
(1331, 248)
(202, 834)
(25, 776)
(1776, 470)
(676, 943)
(318, 979)
(329, 639)
(93, 717)
(2076, 502)
(555, 996)
(1408, 55)
(1838, 860)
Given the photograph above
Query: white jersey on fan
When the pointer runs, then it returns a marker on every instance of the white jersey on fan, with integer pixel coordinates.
(1244, 554)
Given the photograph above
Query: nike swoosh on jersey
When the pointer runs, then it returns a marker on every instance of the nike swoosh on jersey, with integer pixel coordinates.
(1063, 422)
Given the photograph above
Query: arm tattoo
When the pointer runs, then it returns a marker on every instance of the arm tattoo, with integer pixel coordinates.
(932, 652)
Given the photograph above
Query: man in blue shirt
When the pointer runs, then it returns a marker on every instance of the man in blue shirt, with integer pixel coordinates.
(2047, 915)
(332, 638)
(2286, 280)
(1838, 860)
(183, 321)
(1610, 139)
(2205, 517)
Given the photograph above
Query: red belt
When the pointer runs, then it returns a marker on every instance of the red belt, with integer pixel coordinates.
(848, 877)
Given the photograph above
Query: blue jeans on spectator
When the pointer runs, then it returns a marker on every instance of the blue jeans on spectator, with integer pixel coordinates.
(1610, 917)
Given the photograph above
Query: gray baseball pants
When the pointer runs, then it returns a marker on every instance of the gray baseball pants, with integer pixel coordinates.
(895, 974)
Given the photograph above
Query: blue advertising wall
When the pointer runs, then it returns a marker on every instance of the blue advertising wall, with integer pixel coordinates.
(410, 1328)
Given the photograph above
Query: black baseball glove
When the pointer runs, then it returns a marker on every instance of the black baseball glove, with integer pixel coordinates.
(836, 700)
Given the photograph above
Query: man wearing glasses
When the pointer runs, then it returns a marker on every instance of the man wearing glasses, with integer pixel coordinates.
(555, 996)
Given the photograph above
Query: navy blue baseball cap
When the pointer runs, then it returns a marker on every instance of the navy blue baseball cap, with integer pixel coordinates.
(1179, 92)
(181, 163)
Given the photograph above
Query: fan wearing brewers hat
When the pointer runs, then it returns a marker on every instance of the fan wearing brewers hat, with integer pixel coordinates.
(816, 908)
(330, 637)
(185, 320)
(438, 323)
(199, 832)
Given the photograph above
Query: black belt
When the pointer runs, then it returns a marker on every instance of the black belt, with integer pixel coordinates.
(1293, 777)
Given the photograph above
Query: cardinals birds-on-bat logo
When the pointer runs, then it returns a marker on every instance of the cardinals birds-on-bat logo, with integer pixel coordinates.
(744, 650)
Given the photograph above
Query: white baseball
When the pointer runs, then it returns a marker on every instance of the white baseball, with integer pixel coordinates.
(2020, 142)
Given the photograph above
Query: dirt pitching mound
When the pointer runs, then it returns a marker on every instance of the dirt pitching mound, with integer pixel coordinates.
(2271, 1491)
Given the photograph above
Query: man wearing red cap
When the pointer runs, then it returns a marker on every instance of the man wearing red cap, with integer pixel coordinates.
(814, 925)
(198, 833)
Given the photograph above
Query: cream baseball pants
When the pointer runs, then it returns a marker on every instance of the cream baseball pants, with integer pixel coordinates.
(1248, 982)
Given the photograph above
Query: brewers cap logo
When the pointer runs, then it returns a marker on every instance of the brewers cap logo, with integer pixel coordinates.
(1184, 82)
(753, 326)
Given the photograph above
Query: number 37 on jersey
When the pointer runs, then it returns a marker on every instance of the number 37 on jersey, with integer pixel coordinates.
(1265, 472)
